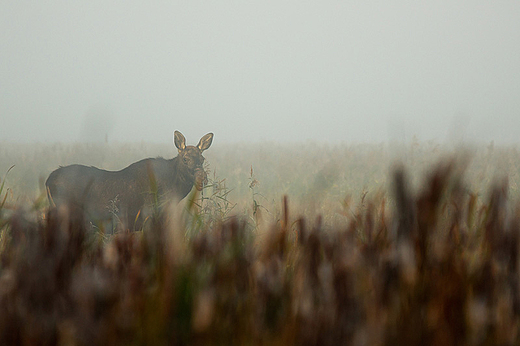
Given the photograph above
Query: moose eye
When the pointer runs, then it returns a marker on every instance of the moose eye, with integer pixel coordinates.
(185, 160)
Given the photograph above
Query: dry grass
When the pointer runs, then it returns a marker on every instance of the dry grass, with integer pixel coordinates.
(427, 263)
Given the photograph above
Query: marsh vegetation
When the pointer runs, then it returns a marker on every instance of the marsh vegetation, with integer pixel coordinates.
(310, 244)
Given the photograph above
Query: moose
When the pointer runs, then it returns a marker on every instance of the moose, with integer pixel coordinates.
(129, 193)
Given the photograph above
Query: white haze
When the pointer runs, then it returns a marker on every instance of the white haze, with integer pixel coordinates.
(290, 71)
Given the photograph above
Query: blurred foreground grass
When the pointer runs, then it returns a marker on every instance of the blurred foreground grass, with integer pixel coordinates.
(419, 254)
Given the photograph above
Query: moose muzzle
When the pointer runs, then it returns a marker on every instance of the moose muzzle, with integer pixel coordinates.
(201, 178)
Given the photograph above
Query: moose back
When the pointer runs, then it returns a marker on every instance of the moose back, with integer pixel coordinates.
(128, 194)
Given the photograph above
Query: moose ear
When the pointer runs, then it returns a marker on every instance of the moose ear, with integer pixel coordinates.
(179, 140)
(205, 142)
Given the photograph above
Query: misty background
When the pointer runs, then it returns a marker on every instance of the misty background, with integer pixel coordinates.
(289, 71)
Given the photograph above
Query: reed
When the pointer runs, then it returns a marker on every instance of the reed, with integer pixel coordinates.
(426, 265)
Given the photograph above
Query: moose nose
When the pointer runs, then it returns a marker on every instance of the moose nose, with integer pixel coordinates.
(201, 178)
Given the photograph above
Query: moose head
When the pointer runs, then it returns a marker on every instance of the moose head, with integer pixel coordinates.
(190, 157)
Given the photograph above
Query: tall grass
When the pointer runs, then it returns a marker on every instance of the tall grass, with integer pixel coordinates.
(423, 264)
(324, 173)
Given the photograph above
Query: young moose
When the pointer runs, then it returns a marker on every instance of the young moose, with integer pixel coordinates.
(130, 192)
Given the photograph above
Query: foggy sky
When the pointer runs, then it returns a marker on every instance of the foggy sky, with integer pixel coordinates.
(352, 71)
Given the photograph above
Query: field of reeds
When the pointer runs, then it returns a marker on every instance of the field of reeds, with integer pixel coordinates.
(291, 245)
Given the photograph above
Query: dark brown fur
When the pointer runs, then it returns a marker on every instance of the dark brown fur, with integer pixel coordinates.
(131, 191)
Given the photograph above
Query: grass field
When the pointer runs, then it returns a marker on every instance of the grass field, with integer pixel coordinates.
(324, 173)
(346, 244)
